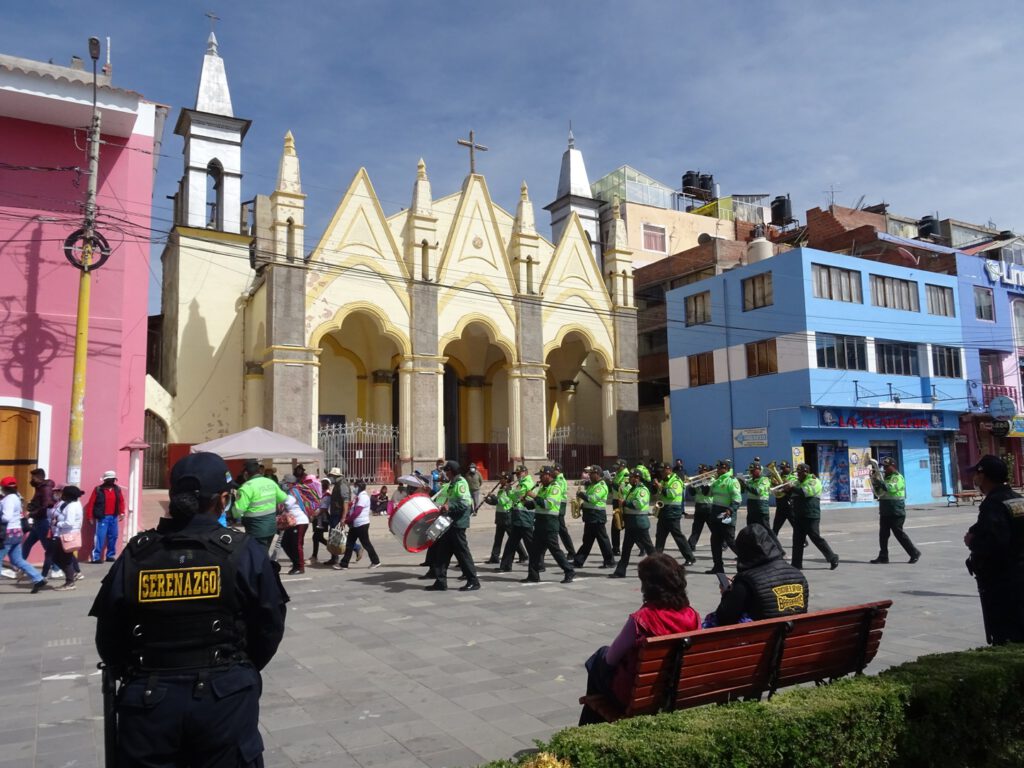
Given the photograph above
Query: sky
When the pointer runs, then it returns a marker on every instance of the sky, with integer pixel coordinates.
(912, 103)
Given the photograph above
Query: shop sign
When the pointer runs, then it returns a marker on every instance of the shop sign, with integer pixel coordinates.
(855, 418)
(750, 437)
(1007, 274)
(1016, 427)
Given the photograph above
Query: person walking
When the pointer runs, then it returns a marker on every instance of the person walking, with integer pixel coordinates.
(701, 507)
(619, 488)
(106, 505)
(563, 532)
(475, 481)
(503, 501)
(784, 498)
(257, 501)
(359, 529)
(807, 518)
(594, 502)
(43, 499)
(671, 493)
(186, 618)
(457, 503)
(521, 520)
(321, 521)
(65, 521)
(548, 500)
(13, 522)
(299, 504)
(637, 527)
(725, 501)
(891, 490)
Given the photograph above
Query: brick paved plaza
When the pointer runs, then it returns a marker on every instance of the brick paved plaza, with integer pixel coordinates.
(375, 672)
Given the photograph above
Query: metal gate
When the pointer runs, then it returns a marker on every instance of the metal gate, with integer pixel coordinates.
(936, 466)
(497, 454)
(154, 460)
(574, 448)
(362, 450)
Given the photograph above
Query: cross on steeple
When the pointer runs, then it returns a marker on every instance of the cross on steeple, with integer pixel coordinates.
(473, 147)
(213, 17)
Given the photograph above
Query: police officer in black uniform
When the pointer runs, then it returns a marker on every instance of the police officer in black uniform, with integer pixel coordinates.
(186, 618)
(996, 542)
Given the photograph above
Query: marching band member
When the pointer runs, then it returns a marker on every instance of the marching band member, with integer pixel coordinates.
(458, 505)
(563, 532)
(503, 500)
(725, 501)
(637, 523)
(520, 520)
(891, 491)
(548, 500)
(671, 492)
(595, 517)
(620, 484)
(758, 491)
(784, 498)
(701, 507)
(807, 517)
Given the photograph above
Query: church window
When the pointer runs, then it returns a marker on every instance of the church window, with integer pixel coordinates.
(215, 195)
(654, 238)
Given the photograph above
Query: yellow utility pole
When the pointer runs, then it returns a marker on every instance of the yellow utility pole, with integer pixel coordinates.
(76, 427)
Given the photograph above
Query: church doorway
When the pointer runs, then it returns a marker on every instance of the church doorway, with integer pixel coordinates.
(19, 444)
(576, 405)
(476, 399)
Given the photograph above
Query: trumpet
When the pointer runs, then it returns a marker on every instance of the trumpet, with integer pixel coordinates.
(702, 479)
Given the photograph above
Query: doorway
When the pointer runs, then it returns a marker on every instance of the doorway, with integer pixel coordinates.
(935, 465)
(19, 444)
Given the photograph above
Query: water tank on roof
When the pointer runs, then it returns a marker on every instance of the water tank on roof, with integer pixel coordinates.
(782, 211)
(928, 226)
(706, 182)
(759, 249)
(691, 180)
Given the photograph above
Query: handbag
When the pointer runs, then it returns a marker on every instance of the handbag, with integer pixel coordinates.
(337, 538)
(71, 542)
(285, 520)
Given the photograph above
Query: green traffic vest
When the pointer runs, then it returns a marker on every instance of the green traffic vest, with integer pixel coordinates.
(807, 499)
(549, 499)
(634, 507)
(259, 496)
(725, 490)
(759, 488)
(459, 500)
(892, 494)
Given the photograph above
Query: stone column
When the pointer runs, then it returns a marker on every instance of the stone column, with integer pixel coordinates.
(515, 440)
(609, 425)
(474, 389)
(627, 419)
(567, 402)
(423, 406)
(380, 397)
(531, 373)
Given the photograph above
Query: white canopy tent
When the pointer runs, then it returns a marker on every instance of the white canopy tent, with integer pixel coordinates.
(259, 443)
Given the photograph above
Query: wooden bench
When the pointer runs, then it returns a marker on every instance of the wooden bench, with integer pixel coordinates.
(745, 661)
(970, 497)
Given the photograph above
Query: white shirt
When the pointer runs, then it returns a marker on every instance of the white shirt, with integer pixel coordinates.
(66, 517)
(10, 512)
(296, 509)
(363, 504)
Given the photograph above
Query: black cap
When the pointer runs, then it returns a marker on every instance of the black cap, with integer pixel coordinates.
(595, 468)
(522, 468)
(252, 466)
(724, 463)
(452, 466)
(992, 467)
(888, 461)
(71, 492)
(202, 473)
(546, 470)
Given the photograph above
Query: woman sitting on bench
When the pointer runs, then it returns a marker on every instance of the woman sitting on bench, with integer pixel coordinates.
(666, 611)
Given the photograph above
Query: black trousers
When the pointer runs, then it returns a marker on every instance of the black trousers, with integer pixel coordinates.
(616, 532)
(545, 539)
(454, 542)
(641, 537)
(669, 526)
(804, 529)
(893, 524)
(722, 535)
(701, 515)
(178, 725)
(1002, 607)
(599, 681)
(362, 535)
(517, 537)
(783, 513)
(501, 529)
(564, 537)
(594, 532)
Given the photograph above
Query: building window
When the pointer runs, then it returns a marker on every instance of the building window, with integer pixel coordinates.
(654, 238)
(991, 368)
(897, 358)
(940, 300)
(698, 308)
(836, 284)
(757, 292)
(1013, 254)
(702, 369)
(983, 307)
(946, 362)
(762, 358)
(652, 342)
(848, 353)
(894, 293)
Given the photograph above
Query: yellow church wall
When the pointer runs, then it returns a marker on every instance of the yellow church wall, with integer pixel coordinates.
(456, 311)
(342, 384)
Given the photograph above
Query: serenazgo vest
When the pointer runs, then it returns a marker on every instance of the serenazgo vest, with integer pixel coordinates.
(780, 589)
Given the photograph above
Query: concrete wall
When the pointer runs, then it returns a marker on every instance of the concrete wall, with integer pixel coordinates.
(681, 230)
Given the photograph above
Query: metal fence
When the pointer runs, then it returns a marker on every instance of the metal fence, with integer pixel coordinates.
(574, 447)
(361, 450)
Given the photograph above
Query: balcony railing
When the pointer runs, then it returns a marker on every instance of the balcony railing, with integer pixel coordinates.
(991, 391)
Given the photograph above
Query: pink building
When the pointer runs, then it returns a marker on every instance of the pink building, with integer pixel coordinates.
(45, 111)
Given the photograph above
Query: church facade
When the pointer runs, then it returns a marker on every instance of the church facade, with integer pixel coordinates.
(453, 323)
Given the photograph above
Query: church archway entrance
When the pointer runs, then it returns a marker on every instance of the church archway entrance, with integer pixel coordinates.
(576, 405)
(357, 399)
(476, 400)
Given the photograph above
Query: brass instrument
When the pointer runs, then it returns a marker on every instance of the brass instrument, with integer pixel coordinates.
(783, 486)
(576, 507)
(773, 474)
(618, 521)
(657, 506)
(704, 478)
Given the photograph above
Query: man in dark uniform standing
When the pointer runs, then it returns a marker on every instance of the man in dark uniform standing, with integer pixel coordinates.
(187, 616)
(996, 542)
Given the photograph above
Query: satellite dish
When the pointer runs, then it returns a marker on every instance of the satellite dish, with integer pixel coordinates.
(704, 238)
(907, 255)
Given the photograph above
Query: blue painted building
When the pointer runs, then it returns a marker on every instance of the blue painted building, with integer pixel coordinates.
(825, 358)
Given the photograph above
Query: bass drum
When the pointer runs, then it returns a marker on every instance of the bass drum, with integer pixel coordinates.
(412, 521)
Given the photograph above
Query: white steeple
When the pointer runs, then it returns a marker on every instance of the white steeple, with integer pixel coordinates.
(288, 178)
(213, 95)
(524, 223)
(574, 195)
(422, 204)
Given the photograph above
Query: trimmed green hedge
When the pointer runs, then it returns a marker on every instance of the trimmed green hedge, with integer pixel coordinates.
(952, 709)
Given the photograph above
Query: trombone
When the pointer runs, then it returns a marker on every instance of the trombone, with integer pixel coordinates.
(704, 478)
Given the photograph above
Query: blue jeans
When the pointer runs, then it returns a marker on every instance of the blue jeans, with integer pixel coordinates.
(106, 538)
(40, 532)
(12, 551)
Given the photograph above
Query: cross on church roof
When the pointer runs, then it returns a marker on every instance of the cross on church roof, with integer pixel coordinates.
(473, 146)
(213, 17)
